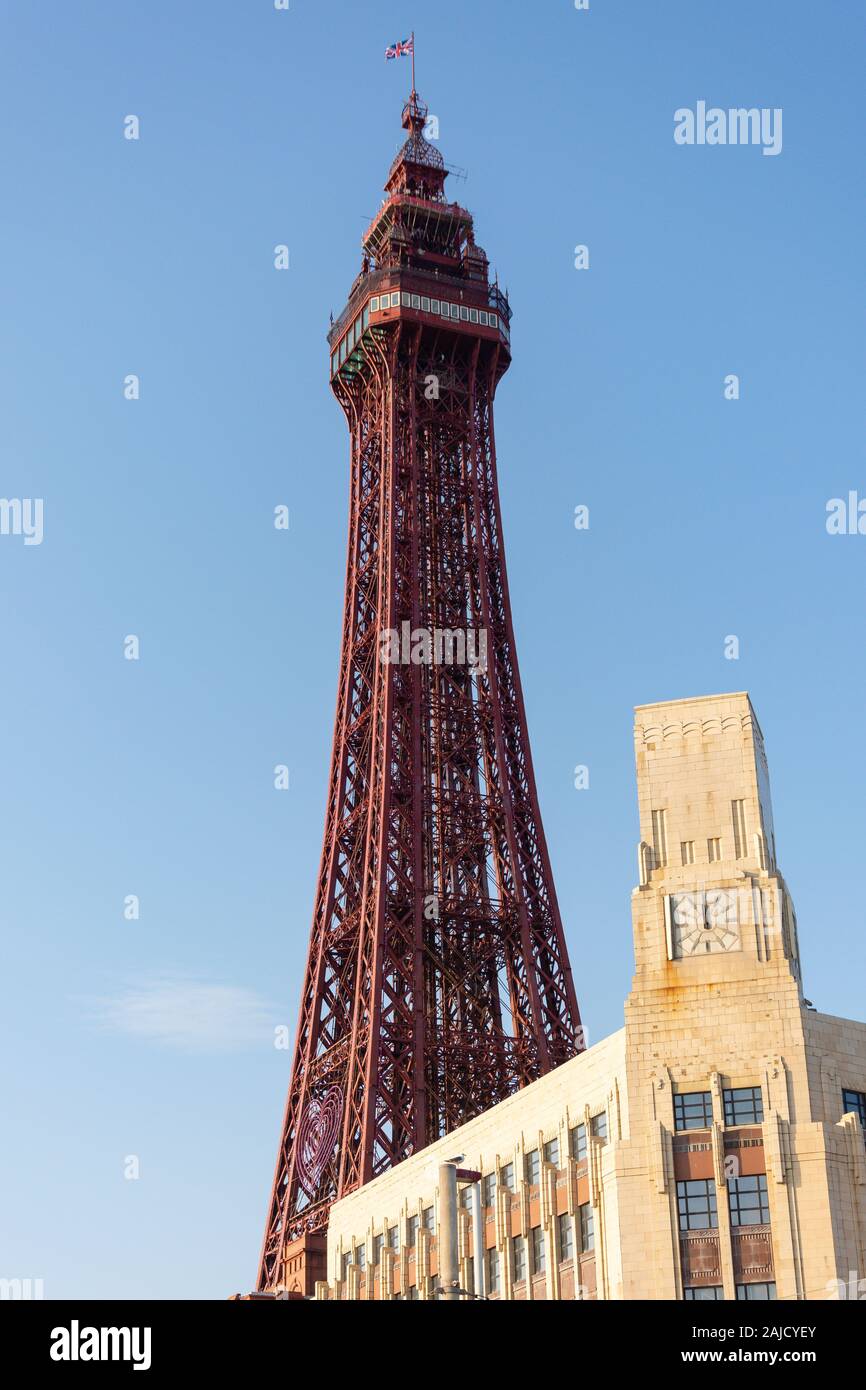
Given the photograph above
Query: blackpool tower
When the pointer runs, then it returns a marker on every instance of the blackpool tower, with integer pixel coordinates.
(437, 981)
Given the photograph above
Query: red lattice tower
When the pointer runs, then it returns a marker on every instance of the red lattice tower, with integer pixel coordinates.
(437, 981)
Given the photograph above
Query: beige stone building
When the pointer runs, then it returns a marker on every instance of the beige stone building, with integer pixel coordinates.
(714, 1146)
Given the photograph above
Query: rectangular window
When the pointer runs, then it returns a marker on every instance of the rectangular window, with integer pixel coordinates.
(335, 362)
(412, 1232)
(405, 299)
(365, 318)
(488, 1190)
(374, 304)
(378, 1247)
(551, 1152)
(342, 352)
(539, 1251)
(425, 304)
(464, 313)
(434, 306)
(693, 1110)
(393, 1237)
(473, 315)
(744, 1106)
(493, 1271)
(714, 850)
(738, 816)
(506, 1177)
(455, 311)
(855, 1102)
(395, 301)
(446, 310)
(465, 1197)
(687, 851)
(748, 1200)
(660, 838)
(587, 1228)
(756, 1293)
(416, 301)
(532, 1168)
(696, 1200)
(492, 321)
(598, 1125)
(427, 1218)
(483, 316)
(347, 1260)
(577, 1136)
(566, 1236)
(361, 1256)
(519, 1259)
(712, 1293)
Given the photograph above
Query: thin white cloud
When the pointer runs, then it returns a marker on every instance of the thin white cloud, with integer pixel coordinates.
(188, 1015)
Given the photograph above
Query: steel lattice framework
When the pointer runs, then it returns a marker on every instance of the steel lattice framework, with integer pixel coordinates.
(437, 981)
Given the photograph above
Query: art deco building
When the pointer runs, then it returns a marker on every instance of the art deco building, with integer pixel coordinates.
(713, 1148)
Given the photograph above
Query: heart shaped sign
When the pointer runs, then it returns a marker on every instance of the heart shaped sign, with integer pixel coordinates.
(316, 1138)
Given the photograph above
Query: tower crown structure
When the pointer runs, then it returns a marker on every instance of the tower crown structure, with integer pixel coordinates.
(437, 981)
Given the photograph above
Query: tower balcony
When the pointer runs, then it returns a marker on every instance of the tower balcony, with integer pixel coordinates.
(431, 298)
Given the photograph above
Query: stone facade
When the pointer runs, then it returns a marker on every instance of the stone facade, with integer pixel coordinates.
(714, 1146)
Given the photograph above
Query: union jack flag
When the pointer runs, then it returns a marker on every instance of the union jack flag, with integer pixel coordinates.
(400, 50)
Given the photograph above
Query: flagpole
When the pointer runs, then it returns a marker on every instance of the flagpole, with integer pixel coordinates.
(413, 63)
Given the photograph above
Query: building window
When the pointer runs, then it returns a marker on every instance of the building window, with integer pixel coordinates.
(488, 1190)
(738, 817)
(395, 301)
(687, 851)
(445, 310)
(577, 1135)
(855, 1101)
(714, 850)
(587, 1227)
(539, 1253)
(482, 314)
(660, 838)
(506, 1177)
(416, 301)
(412, 1232)
(465, 1197)
(464, 313)
(711, 1293)
(756, 1293)
(566, 1236)
(551, 1152)
(374, 304)
(361, 1256)
(347, 1260)
(693, 1110)
(749, 1203)
(533, 1168)
(696, 1199)
(425, 304)
(394, 1238)
(406, 300)
(492, 321)
(378, 1247)
(365, 318)
(493, 1271)
(473, 315)
(744, 1106)
(519, 1259)
(427, 1218)
(598, 1125)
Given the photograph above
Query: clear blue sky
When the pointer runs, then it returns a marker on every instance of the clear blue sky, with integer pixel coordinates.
(155, 1038)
